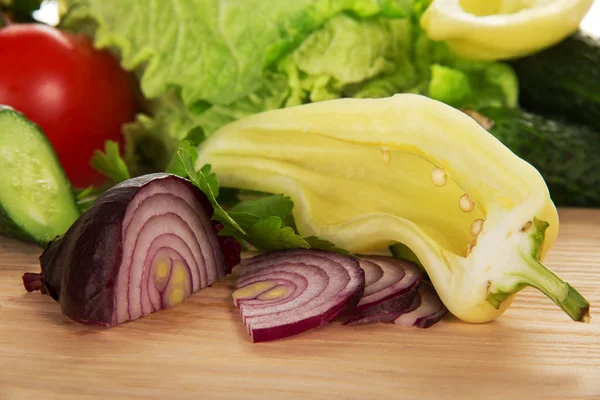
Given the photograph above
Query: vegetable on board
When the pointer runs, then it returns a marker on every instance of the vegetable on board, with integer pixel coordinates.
(501, 29)
(287, 292)
(146, 244)
(563, 81)
(36, 201)
(566, 155)
(79, 96)
(365, 174)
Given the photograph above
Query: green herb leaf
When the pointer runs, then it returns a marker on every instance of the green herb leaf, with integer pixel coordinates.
(228, 197)
(317, 243)
(110, 163)
(205, 181)
(266, 233)
(270, 234)
(211, 179)
(176, 166)
(84, 198)
(244, 220)
(276, 205)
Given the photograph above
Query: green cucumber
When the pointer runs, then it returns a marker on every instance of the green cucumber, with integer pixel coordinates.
(36, 199)
(565, 154)
(563, 81)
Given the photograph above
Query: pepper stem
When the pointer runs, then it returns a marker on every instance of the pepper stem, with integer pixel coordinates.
(535, 274)
(546, 281)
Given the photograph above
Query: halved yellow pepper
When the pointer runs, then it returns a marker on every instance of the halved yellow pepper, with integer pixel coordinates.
(502, 29)
(368, 173)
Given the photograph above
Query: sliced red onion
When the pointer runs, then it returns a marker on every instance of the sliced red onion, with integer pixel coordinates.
(386, 311)
(373, 273)
(296, 283)
(313, 280)
(397, 276)
(287, 292)
(430, 311)
(145, 245)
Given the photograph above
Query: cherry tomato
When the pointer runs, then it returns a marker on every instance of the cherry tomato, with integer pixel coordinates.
(78, 95)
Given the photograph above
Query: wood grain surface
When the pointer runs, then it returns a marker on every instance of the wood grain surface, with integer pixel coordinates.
(200, 350)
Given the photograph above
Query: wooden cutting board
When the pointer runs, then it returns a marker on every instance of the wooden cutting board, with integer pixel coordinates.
(199, 350)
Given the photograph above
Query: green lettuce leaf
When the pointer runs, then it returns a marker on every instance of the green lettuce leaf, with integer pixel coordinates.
(331, 50)
(215, 51)
(493, 85)
(151, 141)
(463, 83)
(351, 57)
(404, 78)
(205, 63)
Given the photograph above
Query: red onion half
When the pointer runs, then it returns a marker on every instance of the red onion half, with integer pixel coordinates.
(287, 292)
(146, 244)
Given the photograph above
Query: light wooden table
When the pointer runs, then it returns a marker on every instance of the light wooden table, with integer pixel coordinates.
(199, 350)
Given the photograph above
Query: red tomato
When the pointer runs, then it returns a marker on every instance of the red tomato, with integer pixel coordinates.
(78, 95)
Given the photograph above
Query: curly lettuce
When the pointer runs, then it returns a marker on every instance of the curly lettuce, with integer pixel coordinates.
(205, 63)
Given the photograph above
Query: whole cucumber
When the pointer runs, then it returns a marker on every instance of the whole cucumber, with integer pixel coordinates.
(563, 81)
(567, 155)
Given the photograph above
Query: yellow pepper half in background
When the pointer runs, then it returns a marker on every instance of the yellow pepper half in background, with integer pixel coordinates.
(502, 29)
(368, 173)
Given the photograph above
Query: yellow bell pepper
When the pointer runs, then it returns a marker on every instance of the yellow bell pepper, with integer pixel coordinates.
(368, 173)
(502, 29)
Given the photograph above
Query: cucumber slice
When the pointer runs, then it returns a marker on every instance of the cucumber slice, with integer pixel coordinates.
(36, 200)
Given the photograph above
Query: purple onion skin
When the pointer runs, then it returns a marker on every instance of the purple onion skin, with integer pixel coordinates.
(386, 311)
(81, 267)
(232, 249)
